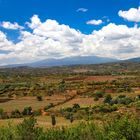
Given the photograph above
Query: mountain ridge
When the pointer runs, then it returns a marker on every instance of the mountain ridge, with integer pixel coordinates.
(68, 61)
(78, 60)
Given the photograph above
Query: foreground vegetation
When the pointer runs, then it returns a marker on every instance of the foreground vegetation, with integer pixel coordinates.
(124, 128)
(88, 102)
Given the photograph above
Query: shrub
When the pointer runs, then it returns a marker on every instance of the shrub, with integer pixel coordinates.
(27, 130)
(96, 98)
(27, 111)
(124, 128)
(121, 100)
(99, 94)
(121, 96)
(7, 132)
(105, 108)
(39, 98)
(114, 101)
(76, 107)
(137, 106)
(1, 112)
(137, 98)
(108, 99)
(3, 115)
(37, 112)
(69, 109)
(67, 115)
(16, 114)
(124, 101)
(62, 86)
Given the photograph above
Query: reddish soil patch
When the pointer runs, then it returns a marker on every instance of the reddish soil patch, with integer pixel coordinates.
(74, 79)
(101, 78)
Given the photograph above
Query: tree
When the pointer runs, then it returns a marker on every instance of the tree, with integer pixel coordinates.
(27, 111)
(76, 106)
(62, 86)
(108, 99)
(53, 119)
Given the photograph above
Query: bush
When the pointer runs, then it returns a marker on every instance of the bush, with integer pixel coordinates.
(7, 132)
(108, 99)
(37, 112)
(16, 114)
(3, 115)
(137, 98)
(39, 98)
(125, 101)
(137, 106)
(73, 109)
(96, 98)
(99, 94)
(62, 86)
(121, 96)
(68, 109)
(27, 130)
(76, 106)
(27, 111)
(105, 108)
(123, 129)
(121, 100)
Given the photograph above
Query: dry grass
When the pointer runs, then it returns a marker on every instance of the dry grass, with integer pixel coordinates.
(42, 121)
(22, 102)
(82, 101)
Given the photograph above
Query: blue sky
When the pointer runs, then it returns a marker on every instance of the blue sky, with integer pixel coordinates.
(64, 11)
(83, 17)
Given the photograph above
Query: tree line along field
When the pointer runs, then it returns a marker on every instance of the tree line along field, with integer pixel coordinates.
(87, 94)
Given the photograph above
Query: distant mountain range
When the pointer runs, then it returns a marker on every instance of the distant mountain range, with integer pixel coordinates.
(134, 59)
(67, 61)
(72, 61)
(81, 60)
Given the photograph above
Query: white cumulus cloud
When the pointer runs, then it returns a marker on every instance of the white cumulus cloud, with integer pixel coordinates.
(133, 14)
(50, 39)
(35, 22)
(94, 22)
(9, 25)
